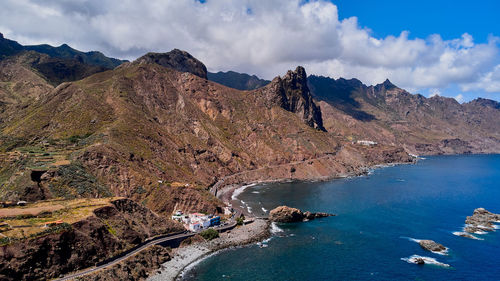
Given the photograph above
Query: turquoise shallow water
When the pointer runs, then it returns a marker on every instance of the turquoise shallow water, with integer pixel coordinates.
(376, 215)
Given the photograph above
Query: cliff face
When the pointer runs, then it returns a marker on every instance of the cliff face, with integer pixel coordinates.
(105, 233)
(292, 94)
(390, 115)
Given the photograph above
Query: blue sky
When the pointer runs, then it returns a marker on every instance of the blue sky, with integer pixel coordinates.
(450, 48)
(450, 19)
(422, 18)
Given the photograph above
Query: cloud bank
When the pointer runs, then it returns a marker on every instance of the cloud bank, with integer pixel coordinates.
(263, 37)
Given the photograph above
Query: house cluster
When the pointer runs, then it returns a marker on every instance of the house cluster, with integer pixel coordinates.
(366, 142)
(196, 221)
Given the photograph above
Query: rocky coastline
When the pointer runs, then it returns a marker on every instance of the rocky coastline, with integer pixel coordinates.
(188, 255)
(191, 252)
(285, 214)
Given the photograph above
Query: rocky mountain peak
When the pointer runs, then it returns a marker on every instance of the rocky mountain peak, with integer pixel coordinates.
(292, 93)
(1, 35)
(485, 102)
(385, 86)
(178, 60)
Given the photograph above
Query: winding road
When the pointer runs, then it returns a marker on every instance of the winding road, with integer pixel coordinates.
(155, 241)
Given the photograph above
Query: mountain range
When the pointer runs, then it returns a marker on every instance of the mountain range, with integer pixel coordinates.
(165, 133)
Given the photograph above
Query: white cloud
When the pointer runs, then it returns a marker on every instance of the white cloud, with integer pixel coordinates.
(263, 37)
(459, 98)
(489, 82)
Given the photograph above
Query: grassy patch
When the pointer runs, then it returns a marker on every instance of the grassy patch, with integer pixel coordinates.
(209, 234)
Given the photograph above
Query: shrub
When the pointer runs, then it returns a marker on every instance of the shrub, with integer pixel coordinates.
(240, 220)
(209, 234)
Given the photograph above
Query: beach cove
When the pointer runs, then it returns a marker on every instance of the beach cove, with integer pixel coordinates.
(380, 216)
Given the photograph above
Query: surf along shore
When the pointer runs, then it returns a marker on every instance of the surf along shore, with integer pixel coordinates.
(194, 250)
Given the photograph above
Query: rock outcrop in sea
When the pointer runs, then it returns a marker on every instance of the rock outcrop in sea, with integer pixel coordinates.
(481, 221)
(288, 214)
(432, 246)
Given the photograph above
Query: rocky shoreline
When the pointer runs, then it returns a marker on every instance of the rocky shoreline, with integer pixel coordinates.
(189, 254)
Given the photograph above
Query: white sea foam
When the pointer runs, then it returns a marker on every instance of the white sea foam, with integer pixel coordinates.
(411, 239)
(249, 209)
(275, 229)
(264, 210)
(443, 252)
(256, 192)
(267, 240)
(468, 235)
(239, 190)
(427, 260)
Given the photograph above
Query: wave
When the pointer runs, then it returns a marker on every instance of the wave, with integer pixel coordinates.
(466, 235)
(239, 190)
(256, 192)
(411, 239)
(267, 240)
(264, 210)
(249, 209)
(275, 229)
(427, 260)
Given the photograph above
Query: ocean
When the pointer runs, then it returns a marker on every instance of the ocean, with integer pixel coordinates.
(380, 217)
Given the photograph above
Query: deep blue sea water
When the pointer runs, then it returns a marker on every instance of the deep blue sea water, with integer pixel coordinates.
(367, 240)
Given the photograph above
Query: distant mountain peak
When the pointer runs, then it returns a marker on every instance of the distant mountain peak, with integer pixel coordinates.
(235, 80)
(178, 60)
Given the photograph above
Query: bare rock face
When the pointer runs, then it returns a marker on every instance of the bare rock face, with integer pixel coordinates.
(108, 231)
(288, 214)
(481, 220)
(176, 59)
(432, 246)
(292, 93)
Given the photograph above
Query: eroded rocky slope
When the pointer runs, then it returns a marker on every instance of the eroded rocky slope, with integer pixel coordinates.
(110, 230)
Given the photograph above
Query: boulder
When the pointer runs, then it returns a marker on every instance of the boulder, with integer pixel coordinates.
(288, 214)
(432, 246)
(481, 220)
(419, 261)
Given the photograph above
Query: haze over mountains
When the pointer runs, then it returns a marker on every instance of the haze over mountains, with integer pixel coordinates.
(155, 130)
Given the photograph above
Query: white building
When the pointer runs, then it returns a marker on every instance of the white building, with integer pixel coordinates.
(366, 142)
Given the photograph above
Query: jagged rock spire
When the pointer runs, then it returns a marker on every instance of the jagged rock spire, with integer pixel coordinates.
(292, 93)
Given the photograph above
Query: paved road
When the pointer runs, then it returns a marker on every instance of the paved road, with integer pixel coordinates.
(146, 245)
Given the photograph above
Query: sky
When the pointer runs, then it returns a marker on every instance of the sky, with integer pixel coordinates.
(440, 47)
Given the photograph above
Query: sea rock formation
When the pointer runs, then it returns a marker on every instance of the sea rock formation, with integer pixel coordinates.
(419, 261)
(481, 220)
(432, 246)
(176, 59)
(288, 214)
(292, 94)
